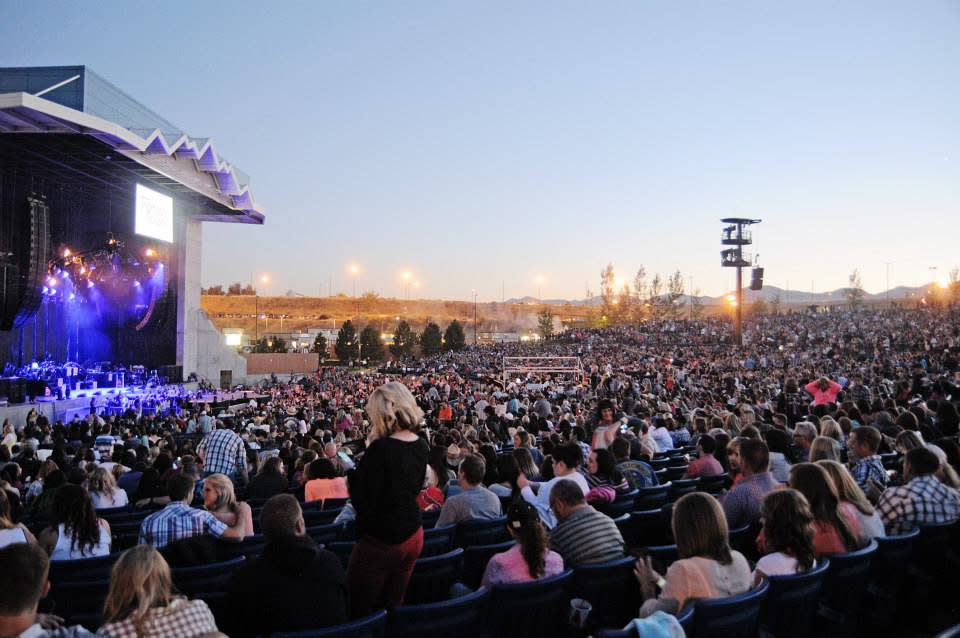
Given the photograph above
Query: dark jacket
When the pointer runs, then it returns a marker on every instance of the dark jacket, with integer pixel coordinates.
(293, 586)
(263, 486)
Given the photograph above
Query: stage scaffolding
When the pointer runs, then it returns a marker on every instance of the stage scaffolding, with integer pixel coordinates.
(570, 366)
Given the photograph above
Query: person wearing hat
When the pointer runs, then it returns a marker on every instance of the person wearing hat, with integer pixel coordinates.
(531, 558)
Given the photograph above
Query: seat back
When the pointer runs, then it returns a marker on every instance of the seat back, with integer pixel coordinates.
(438, 540)
(894, 553)
(538, 609)
(930, 545)
(461, 617)
(343, 550)
(679, 487)
(74, 599)
(433, 576)
(645, 528)
(251, 547)
(844, 584)
(662, 556)
(733, 617)
(618, 633)
(96, 568)
(612, 590)
(475, 559)
(676, 472)
(312, 518)
(205, 578)
(373, 626)
(624, 504)
(792, 602)
(334, 503)
(325, 533)
(651, 498)
(714, 484)
(482, 532)
(429, 519)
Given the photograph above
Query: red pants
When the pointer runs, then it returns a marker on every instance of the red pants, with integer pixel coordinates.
(378, 573)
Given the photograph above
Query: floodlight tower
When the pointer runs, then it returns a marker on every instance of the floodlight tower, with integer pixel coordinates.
(735, 235)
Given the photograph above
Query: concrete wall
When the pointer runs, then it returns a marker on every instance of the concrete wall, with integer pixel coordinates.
(213, 355)
(281, 363)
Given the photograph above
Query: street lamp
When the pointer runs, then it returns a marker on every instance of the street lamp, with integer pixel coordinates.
(407, 277)
(265, 279)
(354, 271)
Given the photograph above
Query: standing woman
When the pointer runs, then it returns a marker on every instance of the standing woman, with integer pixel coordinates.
(75, 531)
(383, 489)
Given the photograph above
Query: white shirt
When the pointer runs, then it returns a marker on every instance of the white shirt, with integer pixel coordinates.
(541, 500)
(12, 536)
(777, 564)
(65, 550)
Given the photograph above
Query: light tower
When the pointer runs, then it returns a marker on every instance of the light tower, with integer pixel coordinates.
(734, 235)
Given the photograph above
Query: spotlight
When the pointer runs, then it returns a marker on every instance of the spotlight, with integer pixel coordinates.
(90, 284)
(150, 252)
(136, 283)
(72, 296)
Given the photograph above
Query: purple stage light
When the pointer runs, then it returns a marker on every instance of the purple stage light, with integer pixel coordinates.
(45, 290)
(136, 283)
(90, 284)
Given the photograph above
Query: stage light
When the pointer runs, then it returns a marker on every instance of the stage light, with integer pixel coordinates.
(136, 283)
(66, 252)
(150, 252)
(72, 296)
(90, 283)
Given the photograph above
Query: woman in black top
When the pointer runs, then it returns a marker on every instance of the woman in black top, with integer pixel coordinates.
(383, 490)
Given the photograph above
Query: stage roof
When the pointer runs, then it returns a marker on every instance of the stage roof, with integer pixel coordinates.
(60, 110)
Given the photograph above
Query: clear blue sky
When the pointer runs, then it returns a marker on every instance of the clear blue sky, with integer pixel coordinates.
(479, 143)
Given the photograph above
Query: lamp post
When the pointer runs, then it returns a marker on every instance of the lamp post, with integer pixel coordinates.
(407, 278)
(734, 235)
(265, 279)
(354, 271)
(475, 333)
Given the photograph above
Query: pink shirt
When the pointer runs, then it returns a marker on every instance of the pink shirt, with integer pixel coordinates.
(704, 466)
(821, 397)
(510, 567)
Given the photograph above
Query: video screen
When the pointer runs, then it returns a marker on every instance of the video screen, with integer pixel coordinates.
(153, 214)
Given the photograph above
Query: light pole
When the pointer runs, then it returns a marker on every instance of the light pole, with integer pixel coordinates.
(475, 333)
(887, 263)
(265, 279)
(407, 277)
(354, 271)
(539, 287)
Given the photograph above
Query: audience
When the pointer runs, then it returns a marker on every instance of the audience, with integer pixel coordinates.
(853, 502)
(269, 481)
(10, 532)
(583, 535)
(788, 535)
(530, 558)
(178, 520)
(866, 465)
(824, 448)
(741, 504)
(220, 500)
(922, 500)
(323, 482)
(474, 501)
(705, 464)
(104, 491)
(566, 459)
(835, 530)
(75, 531)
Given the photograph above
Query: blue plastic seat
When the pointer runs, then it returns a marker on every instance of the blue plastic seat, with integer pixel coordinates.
(623, 504)
(888, 584)
(96, 568)
(676, 472)
(617, 633)
(205, 578)
(537, 609)
(792, 602)
(681, 487)
(714, 484)
(733, 617)
(438, 540)
(325, 533)
(651, 498)
(343, 550)
(844, 590)
(373, 626)
(312, 518)
(475, 559)
(461, 617)
(333, 503)
(662, 556)
(71, 600)
(433, 577)
(482, 532)
(251, 547)
(429, 519)
(611, 588)
(645, 528)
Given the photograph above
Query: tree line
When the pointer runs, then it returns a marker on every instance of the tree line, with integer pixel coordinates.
(368, 344)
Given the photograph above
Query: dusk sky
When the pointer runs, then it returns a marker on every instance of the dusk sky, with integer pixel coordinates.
(479, 144)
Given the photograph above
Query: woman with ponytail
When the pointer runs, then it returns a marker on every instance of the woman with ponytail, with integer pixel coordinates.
(531, 558)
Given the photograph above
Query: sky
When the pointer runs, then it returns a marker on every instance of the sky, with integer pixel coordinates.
(480, 145)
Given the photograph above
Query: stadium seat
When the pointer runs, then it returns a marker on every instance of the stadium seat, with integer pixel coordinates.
(334, 503)
(680, 487)
(623, 504)
(342, 550)
(125, 540)
(714, 484)
(429, 519)
(733, 617)
(461, 617)
(373, 626)
(438, 540)
(312, 518)
(216, 602)
(611, 588)
(651, 498)
(108, 512)
(325, 533)
(662, 556)
(475, 559)
(844, 589)
(659, 464)
(792, 602)
(251, 547)
(645, 528)
(744, 540)
(482, 532)
(97, 568)
(537, 609)
(205, 578)
(887, 579)
(662, 476)
(685, 618)
(433, 576)
(70, 600)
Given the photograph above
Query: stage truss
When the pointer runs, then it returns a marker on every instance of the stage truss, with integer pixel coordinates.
(568, 366)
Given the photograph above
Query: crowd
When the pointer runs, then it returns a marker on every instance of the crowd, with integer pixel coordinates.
(824, 431)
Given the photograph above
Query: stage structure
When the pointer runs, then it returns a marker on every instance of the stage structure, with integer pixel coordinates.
(102, 205)
(543, 367)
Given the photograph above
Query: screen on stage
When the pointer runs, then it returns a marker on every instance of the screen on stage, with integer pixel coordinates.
(153, 214)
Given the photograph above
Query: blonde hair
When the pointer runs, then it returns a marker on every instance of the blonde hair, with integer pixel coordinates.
(226, 498)
(140, 581)
(830, 428)
(847, 488)
(824, 448)
(391, 407)
(101, 481)
(909, 440)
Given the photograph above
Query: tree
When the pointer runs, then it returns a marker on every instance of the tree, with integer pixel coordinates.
(673, 305)
(319, 345)
(545, 323)
(248, 290)
(234, 289)
(855, 292)
(430, 340)
(696, 304)
(270, 344)
(640, 290)
(346, 346)
(608, 284)
(403, 341)
(369, 300)
(371, 346)
(214, 290)
(953, 286)
(454, 338)
(656, 298)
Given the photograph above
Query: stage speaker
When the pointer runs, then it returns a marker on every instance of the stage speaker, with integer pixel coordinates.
(756, 279)
(33, 268)
(9, 294)
(174, 374)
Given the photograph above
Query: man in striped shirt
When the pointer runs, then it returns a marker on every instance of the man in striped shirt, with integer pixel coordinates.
(583, 535)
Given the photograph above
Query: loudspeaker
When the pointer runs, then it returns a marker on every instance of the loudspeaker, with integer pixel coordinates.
(174, 374)
(9, 294)
(34, 266)
(756, 279)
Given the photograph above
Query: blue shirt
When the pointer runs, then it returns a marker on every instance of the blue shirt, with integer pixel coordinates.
(177, 521)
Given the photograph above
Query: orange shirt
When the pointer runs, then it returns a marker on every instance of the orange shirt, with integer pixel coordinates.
(326, 488)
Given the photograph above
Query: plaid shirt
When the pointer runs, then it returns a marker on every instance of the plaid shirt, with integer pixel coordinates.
(870, 467)
(923, 500)
(182, 618)
(742, 503)
(223, 452)
(177, 521)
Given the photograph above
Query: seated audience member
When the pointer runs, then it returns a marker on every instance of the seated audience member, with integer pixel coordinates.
(271, 480)
(566, 459)
(220, 500)
(866, 465)
(508, 471)
(582, 535)
(706, 464)
(787, 535)
(638, 473)
(141, 602)
(804, 433)
(104, 491)
(835, 530)
(854, 502)
(741, 505)
(342, 465)
(778, 442)
(473, 501)
(294, 585)
(922, 500)
(75, 531)
(23, 581)
(603, 477)
(824, 448)
(707, 568)
(323, 482)
(10, 532)
(178, 520)
(531, 558)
